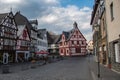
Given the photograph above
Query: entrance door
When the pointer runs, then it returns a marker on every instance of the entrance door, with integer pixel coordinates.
(26, 56)
(5, 58)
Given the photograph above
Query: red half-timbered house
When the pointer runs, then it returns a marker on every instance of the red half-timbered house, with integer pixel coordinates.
(72, 43)
(23, 38)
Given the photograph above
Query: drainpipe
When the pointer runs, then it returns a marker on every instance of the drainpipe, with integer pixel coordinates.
(108, 52)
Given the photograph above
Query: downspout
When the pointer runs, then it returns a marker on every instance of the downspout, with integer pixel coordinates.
(106, 27)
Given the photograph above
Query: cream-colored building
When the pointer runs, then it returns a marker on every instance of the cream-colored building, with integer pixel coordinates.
(113, 31)
(90, 47)
(106, 32)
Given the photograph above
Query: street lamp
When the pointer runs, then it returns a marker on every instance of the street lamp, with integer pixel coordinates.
(96, 28)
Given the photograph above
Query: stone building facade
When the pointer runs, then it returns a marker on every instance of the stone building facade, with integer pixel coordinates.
(106, 32)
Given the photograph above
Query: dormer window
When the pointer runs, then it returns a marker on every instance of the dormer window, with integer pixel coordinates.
(63, 37)
(76, 32)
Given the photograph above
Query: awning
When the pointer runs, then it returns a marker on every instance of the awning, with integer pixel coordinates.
(42, 52)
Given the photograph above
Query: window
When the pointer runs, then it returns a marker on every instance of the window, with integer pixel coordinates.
(117, 54)
(72, 42)
(67, 51)
(73, 50)
(111, 11)
(78, 50)
(76, 32)
(103, 24)
(79, 36)
(82, 42)
(60, 44)
(77, 42)
(74, 36)
(63, 37)
(61, 51)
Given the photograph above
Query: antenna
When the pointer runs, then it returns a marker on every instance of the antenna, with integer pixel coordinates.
(11, 9)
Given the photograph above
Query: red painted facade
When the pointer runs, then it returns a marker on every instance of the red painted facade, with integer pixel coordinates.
(72, 43)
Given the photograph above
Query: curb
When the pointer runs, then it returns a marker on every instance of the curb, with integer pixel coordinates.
(115, 71)
(93, 75)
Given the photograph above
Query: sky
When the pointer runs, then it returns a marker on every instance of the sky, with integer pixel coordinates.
(54, 15)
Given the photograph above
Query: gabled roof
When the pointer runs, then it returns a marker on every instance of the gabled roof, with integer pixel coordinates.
(3, 15)
(70, 33)
(57, 39)
(22, 20)
(53, 38)
(41, 33)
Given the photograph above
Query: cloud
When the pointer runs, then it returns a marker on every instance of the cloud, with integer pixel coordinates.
(51, 15)
(61, 19)
(11, 1)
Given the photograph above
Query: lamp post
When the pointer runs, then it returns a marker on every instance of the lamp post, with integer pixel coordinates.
(97, 38)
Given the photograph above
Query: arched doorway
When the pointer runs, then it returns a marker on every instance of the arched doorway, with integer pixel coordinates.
(5, 58)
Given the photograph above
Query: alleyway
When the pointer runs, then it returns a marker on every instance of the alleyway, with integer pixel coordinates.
(74, 68)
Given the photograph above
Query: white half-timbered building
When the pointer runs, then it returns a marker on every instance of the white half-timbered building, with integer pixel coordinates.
(42, 43)
(8, 35)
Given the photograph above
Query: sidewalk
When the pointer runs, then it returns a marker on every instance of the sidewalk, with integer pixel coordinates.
(17, 67)
(105, 73)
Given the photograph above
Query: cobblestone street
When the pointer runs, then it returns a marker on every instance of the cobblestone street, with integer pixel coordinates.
(73, 68)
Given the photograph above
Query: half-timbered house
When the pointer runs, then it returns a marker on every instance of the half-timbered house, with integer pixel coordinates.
(42, 43)
(53, 45)
(72, 43)
(23, 38)
(8, 35)
(33, 36)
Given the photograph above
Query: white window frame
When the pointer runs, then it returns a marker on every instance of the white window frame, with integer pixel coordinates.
(117, 53)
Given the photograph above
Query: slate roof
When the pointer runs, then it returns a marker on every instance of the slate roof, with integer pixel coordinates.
(53, 38)
(22, 20)
(57, 39)
(68, 34)
(41, 33)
